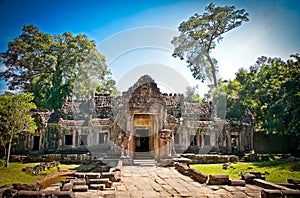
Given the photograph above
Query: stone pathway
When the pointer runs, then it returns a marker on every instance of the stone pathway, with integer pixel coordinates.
(145, 182)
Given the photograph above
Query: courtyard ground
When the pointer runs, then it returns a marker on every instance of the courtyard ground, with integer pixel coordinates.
(167, 182)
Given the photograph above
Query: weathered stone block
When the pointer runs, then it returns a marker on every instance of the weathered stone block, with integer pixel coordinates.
(127, 162)
(268, 193)
(67, 186)
(59, 194)
(105, 181)
(79, 175)
(80, 188)
(248, 178)
(221, 179)
(109, 175)
(93, 175)
(97, 186)
(268, 185)
(28, 187)
(182, 168)
(237, 182)
(291, 193)
(80, 181)
(200, 177)
(117, 176)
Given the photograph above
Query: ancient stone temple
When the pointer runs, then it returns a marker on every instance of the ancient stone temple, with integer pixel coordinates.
(141, 123)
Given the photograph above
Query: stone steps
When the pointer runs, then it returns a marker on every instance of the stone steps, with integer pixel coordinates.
(144, 162)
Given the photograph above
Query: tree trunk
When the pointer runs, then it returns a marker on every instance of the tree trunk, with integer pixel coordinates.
(213, 71)
(8, 152)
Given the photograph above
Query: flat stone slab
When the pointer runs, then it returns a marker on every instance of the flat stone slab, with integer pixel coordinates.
(168, 182)
(269, 185)
(80, 188)
(237, 182)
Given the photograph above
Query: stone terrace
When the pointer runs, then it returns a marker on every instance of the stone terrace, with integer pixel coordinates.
(167, 182)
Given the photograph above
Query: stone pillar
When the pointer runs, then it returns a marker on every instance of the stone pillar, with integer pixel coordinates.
(131, 143)
(251, 138)
(228, 141)
(198, 140)
(242, 139)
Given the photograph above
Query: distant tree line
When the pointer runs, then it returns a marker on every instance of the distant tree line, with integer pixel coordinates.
(271, 90)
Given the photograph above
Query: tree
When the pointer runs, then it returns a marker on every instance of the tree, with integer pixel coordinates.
(198, 37)
(93, 77)
(271, 91)
(191, 95)
(15, 118)
(47, 65)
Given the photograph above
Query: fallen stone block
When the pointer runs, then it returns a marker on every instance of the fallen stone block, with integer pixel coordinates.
(268, 185)
(182, 168)
(268, 193)
(92, 175)
(79, 175)
(105, 181)
(288, 185)
(9, 192)
(109, 175)
(248, 178)
(258, 175)
(237, 182)
(80, 181)
(80, 188)
(59, 194)
(117, 176)
(67, 187)
(291, 193)
(221, 179)
(97, 186)
(293, 181)
(200, 177)
(28, 187)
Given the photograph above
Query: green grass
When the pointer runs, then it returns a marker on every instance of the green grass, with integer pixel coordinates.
(14, 173)
(277, 171)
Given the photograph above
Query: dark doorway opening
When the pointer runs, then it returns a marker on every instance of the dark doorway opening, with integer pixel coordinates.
(36, 143)
(83, 140)
(193, 140)
(142, 140)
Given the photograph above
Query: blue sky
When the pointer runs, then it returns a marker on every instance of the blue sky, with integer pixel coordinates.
(123, 32)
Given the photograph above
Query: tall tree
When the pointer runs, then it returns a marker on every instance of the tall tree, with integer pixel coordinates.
(15, 117)
(47, 65)
(271, 91)
(198, 37)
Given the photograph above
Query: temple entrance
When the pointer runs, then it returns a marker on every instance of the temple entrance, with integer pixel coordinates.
(36, 143)
(142, 140)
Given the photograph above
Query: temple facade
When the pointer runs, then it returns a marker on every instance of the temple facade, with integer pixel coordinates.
(142, 122)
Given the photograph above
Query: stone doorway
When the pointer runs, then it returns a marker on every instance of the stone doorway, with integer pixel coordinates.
(36, 143)
(142, 140)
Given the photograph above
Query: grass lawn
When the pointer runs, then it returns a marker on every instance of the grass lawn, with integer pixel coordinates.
(277, 171)
(14, 173)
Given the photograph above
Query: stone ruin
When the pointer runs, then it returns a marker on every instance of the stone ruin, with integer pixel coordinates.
(140, 123)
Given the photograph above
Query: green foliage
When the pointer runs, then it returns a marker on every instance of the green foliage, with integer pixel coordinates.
(191, 95)
(15, 117)
(15, 113)
(271, 91)
(47, 66)
(198, 37)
